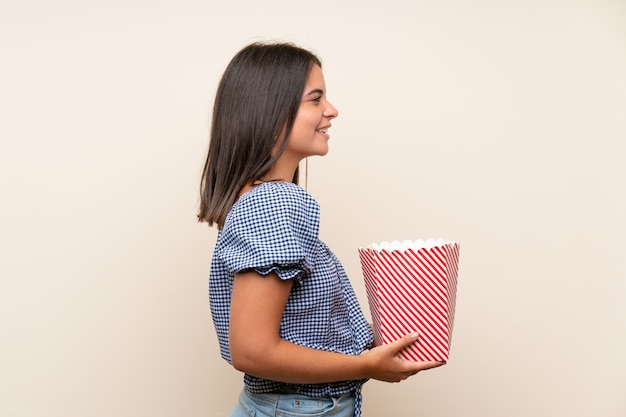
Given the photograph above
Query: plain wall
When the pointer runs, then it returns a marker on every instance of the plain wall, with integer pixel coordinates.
(499, 124)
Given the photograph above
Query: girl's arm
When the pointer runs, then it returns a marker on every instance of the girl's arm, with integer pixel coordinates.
(256, 348)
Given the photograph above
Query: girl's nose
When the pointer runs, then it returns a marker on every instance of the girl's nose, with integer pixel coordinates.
(330, 112)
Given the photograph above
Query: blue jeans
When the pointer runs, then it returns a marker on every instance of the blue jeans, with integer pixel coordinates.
(292, 405)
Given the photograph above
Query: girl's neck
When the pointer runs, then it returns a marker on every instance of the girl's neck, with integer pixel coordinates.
(283, 170)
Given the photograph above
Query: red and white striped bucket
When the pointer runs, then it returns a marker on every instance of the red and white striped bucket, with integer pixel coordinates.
(411, 286)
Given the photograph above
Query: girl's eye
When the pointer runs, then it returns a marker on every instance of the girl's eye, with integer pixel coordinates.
(317, 99)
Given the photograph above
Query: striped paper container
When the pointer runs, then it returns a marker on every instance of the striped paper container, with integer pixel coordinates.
(411, 286)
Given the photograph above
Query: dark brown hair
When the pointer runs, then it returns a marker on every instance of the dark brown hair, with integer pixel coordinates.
(257, 98)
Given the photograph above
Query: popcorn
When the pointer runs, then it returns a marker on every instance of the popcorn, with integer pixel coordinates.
(411, 287)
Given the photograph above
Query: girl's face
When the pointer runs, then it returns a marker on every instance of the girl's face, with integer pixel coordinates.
(309, 135)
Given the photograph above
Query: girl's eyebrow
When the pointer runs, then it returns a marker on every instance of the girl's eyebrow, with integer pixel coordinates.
(315, 91)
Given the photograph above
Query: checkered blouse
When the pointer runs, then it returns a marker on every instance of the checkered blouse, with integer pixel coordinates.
(274, 228)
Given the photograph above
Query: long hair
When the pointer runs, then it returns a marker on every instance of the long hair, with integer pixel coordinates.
(257, 100)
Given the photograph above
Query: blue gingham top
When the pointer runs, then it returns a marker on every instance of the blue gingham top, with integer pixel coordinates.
(274, 228)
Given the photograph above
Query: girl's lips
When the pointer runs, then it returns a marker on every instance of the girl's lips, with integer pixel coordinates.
(323, 132)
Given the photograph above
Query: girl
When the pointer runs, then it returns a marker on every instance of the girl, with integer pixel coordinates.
(283, 307)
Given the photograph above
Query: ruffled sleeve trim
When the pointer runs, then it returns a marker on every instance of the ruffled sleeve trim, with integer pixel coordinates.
(295, 271)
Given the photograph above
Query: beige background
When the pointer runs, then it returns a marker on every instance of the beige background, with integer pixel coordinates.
(500, 124)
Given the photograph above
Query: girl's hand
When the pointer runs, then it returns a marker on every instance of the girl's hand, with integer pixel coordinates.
(386, 365)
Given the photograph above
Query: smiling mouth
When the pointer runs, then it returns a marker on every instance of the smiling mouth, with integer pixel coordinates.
(323, 130)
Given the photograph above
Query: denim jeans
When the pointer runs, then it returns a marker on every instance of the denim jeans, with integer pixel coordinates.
(292, 405)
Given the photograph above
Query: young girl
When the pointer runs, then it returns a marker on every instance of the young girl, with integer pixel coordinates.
(283, 307)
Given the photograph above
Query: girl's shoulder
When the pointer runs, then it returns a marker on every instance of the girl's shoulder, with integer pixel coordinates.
(276, 194)
(275, 221)
(275, 205)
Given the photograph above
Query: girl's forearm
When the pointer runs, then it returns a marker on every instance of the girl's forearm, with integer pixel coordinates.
(295, 364)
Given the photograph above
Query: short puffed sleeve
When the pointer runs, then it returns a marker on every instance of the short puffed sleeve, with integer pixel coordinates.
(272, 228)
